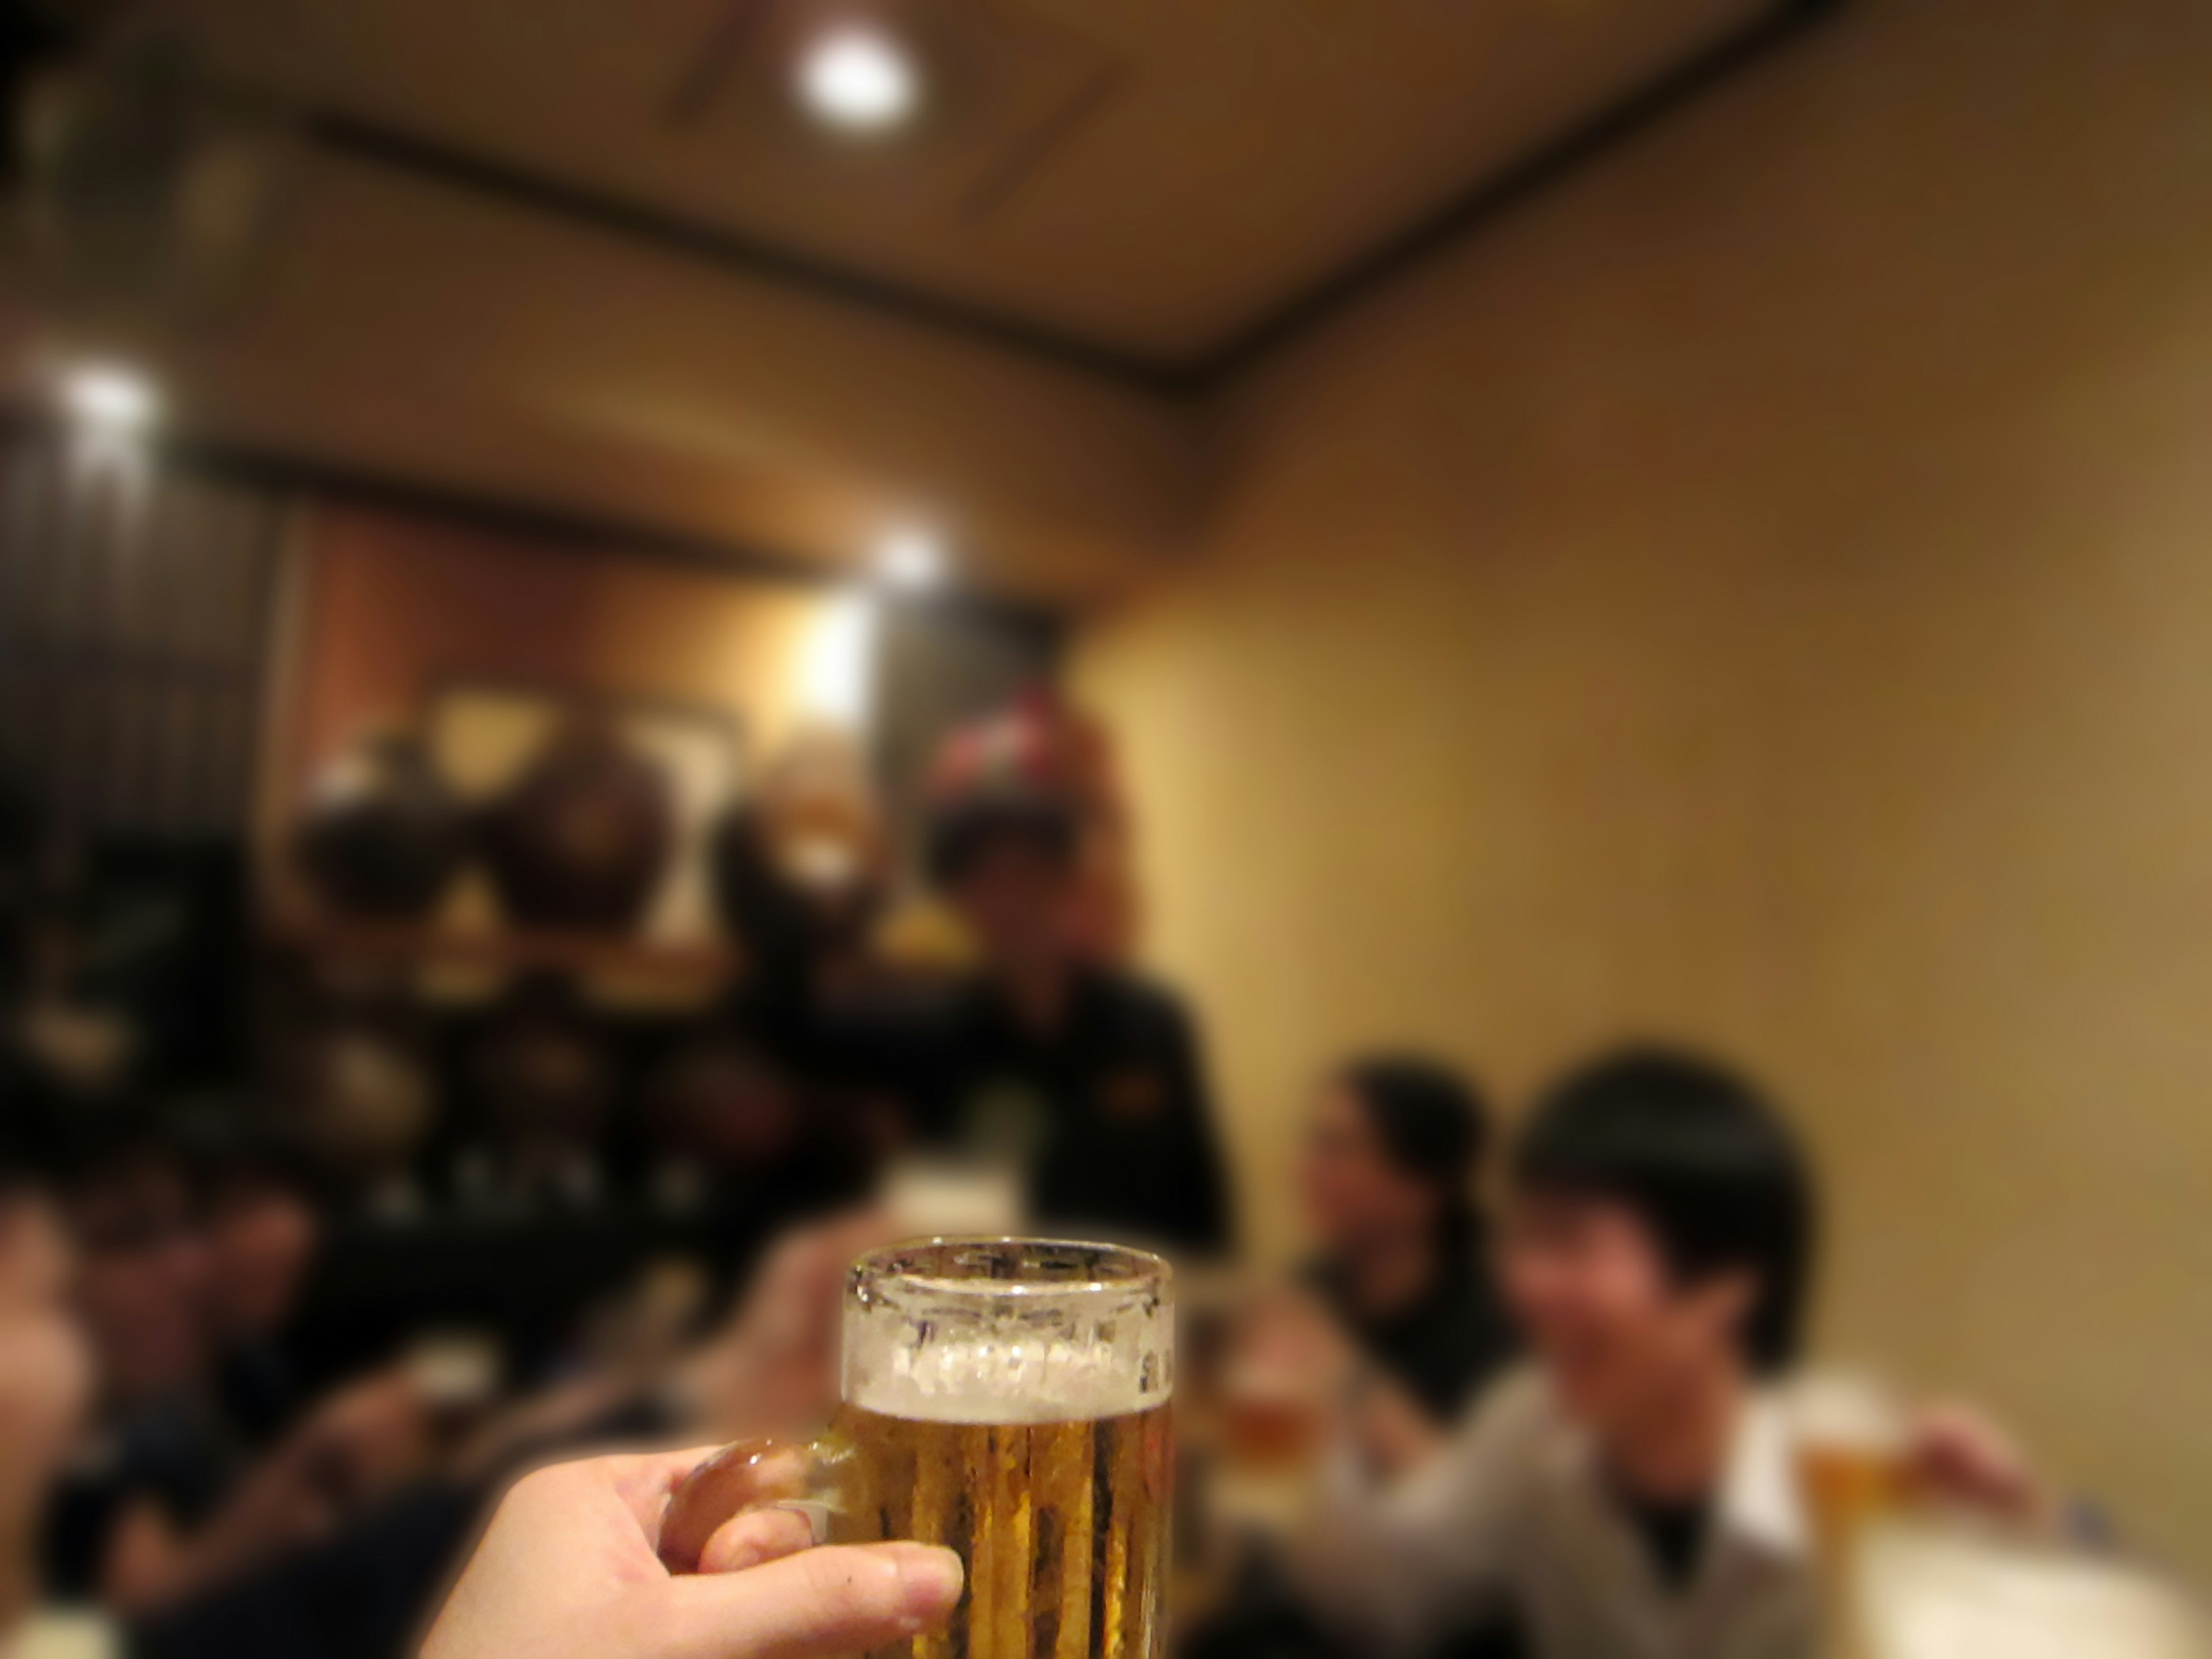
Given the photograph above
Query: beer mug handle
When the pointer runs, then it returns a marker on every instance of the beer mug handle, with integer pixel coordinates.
(748, 1474)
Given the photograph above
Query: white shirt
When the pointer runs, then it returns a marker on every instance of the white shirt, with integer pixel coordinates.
(1513, 1516)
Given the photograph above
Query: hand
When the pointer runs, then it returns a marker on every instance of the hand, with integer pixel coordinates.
(365, 1440)
(1958, 1455)
(45, 1367)
(1288, 1342)
(569, 1570)
(773, 1369)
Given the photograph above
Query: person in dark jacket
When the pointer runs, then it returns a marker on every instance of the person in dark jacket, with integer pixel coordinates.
(1087, 1076)
(1387, 1180)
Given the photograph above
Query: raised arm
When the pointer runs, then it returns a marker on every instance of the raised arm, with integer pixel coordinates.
(1397, 1565)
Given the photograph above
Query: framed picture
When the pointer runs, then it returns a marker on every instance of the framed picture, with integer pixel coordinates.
(483, 733)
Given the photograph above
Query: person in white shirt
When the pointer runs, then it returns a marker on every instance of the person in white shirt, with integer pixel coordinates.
(1631, 1493)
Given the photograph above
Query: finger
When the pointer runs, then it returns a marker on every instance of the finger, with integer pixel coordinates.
(643, 1480)
(819, 1604)
(747, 1475)
(757, 1535)
(1959, 1454)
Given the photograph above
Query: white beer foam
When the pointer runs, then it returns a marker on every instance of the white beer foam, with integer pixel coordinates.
(987, 1381)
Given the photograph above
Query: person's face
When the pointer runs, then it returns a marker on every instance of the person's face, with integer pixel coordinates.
(45, 1363)
(143, 1281)
(1352, 1190)
(1618, 1334)
(260, 1239)
(1018, 900)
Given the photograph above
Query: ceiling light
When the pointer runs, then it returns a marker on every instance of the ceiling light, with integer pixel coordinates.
(911, 559)
(859, 79)
(111, 398)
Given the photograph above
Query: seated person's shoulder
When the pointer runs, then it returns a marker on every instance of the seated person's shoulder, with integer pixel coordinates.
(1516, 1416)
(1519, 1394)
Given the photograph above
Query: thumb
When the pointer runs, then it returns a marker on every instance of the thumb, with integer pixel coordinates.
(817, 1604)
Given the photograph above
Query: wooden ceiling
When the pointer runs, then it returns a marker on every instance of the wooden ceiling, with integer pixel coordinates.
(586, 257)
(1151, 185)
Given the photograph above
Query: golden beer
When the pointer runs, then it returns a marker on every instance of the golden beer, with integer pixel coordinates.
(1848, 1489)
(1063, 1526)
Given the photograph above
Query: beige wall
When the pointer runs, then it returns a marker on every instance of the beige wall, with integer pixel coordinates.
(1762, 592)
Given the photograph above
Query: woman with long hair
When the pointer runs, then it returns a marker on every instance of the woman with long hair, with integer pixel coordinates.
(1392, 1154)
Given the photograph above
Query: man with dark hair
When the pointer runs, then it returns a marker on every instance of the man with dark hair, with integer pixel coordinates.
(1632, 1492)
(1085, 1076)
(1686, 1154)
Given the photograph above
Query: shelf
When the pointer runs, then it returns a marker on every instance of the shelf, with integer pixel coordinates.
(707, 965)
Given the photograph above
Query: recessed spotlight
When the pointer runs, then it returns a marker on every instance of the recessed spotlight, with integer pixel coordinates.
(859, 79)
(110, 398)
(911, 559)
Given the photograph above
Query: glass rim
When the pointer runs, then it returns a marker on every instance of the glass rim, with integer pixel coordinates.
(1134, 1269)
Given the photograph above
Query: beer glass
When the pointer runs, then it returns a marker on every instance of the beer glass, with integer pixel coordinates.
(1008, 1398)
(1849, 1438)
